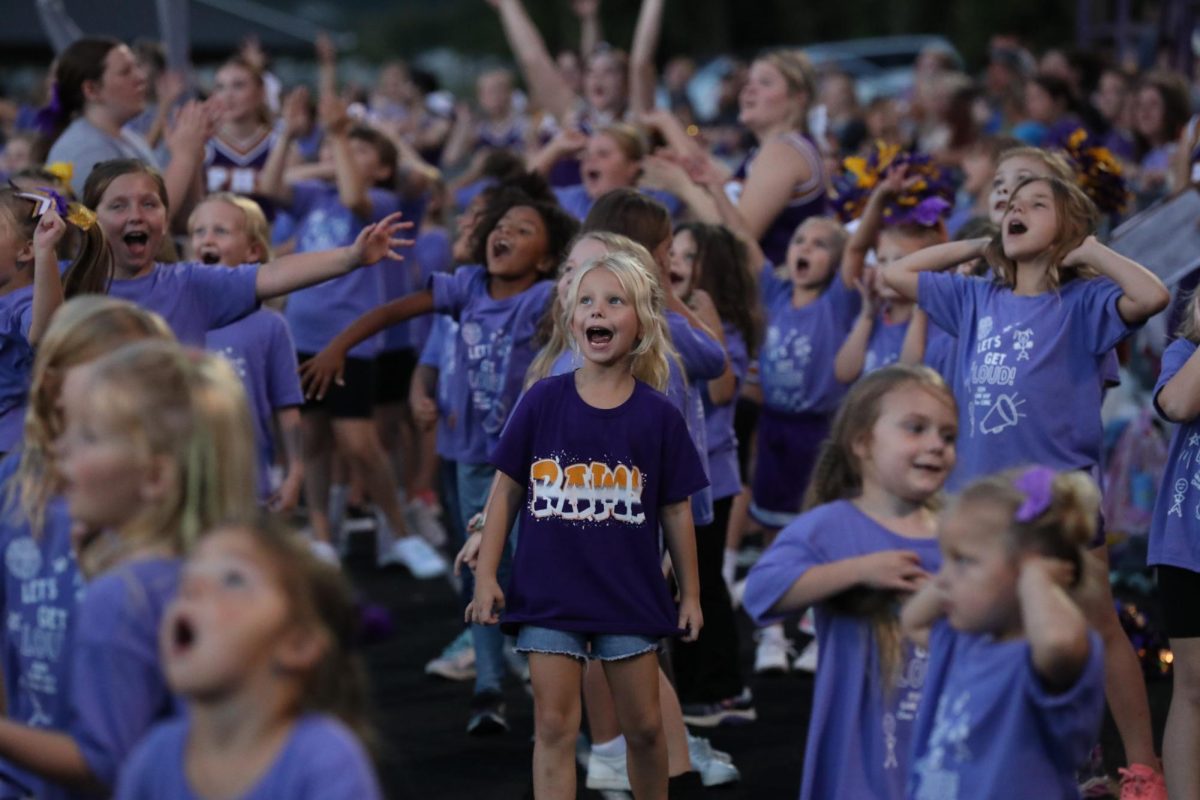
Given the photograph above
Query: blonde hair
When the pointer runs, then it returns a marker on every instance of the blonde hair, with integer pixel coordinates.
(82, 330)
(1189, 326)
(649, 358)
(1055, 163)
(1061, 530)
(838, 237)
(190, 408)
(254, 221)
(557, 336)
(1077, 217)
(800, 76)
(629, 140)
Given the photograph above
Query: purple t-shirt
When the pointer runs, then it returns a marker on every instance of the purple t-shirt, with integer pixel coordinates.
(989, 728)
(588, 557)
(321, 760)
(41, 584)
(801, 344)
(441, 352)
(859, 733)
(432, 253)
(940, 351)
(1175, 527)
(193, 298)
(885, 344)
(118, 690)
(718, 422)
(16, 363)
(1029, 370)
(703, 360)
(260, 349)
(495, 349)
(318, 313)
(576, 201)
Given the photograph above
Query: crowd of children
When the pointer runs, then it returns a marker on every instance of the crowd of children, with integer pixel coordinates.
(878, 338)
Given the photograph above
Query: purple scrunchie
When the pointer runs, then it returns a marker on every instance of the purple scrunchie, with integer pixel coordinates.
(1037, 484)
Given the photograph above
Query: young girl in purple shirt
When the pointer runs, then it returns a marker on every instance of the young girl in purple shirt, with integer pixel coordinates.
(595, 493)
(1031, 347)
(261, 633)
(1014, 691)
(866, 542)
(42, 581)
(157, 448)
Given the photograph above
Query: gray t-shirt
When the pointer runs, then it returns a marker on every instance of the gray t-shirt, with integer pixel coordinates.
(83, 145)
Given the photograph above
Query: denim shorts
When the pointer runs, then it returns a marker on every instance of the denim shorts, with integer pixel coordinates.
(582, 646)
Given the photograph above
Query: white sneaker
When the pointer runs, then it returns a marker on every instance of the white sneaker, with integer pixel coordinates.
(608, 772)
(807, 660)
(415, 553)
(808, 623)
(737, 592)
(715, 768)
(457, 661)
(773, 655)
(423, 518)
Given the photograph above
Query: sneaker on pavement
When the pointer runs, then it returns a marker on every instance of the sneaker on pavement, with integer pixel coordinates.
(422, 517)
(730, 711)
(807, 660)
(457, 660)
(773, 655)
(608, 772)
(417, 556)
(487, 715)
(1141, 782)
(715, 768)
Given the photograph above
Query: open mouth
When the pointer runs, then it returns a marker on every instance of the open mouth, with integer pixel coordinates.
(591, 175)
(136, 241)
(210, 257)
(801, 264)
(933, 469)
(501, 248)
(678, 279)
(1016, 227)
(183, 634)
(597, 335)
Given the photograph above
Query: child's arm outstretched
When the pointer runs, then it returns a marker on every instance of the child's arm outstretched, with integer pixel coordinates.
(47, 282)
(903, 275)
(1179, 398)
(1143, 293)
(920, 611)
(1054, 625)
(326, 366)
(680, 535)
(503, 504)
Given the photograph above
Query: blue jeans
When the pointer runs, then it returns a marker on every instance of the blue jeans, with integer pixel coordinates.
(474, 481)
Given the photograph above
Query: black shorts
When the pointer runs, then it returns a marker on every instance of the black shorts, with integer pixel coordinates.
(393, 376)
(745, 426)
(354, 399)
(1179, 590)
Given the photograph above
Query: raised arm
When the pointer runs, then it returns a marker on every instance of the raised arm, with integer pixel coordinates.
(912, 351)
(852, 355)
(195, 124)
(865, 236)
(47, 282)
(1054, 624)
(590, 34)
(902, 275)
(353, 191)
(326, 367)
(548, 88)
(642, 75)
(1179, 398)
(1143, 293)
(271, 180)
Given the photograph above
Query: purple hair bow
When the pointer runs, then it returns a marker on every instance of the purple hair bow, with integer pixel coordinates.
(1037, 484)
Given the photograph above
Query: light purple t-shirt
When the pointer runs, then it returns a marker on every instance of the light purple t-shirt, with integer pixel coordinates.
(988, 729)
(796, 359)
(718, 422)
(16, 363)
(595, 482)
(41, 584)
(321, 760)
(118, 689)
(859, 732)
(320, 312)
(260, 349)
(1175, 527)
(441, 353)
(703, 360)
(193, 298)
(432, 253)
(1029, 370)
(495, 349)
(885, 344)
